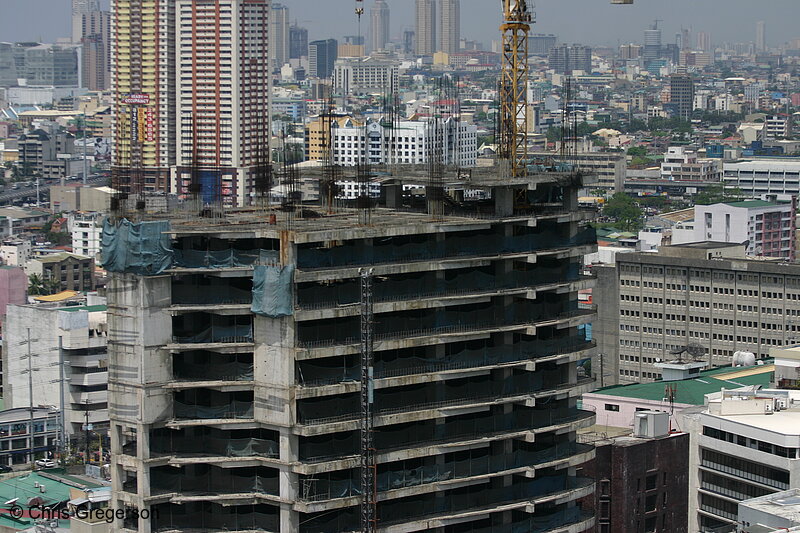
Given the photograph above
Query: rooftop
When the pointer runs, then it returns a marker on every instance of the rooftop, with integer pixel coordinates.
(784, 504)
(693, 391)
(706, 245)
(751, 204)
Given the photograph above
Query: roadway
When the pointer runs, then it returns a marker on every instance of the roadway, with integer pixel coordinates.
(9, 194)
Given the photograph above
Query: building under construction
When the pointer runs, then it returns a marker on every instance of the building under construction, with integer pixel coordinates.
(395, 366)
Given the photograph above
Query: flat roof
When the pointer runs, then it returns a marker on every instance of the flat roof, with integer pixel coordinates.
(750, 204)
(706, 245)
(89, 308)
(692, 391)
(682, 215)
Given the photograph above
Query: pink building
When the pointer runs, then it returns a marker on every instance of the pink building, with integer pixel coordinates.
(13, 288)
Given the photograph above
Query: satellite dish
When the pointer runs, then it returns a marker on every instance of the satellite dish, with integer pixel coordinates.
(696, 351)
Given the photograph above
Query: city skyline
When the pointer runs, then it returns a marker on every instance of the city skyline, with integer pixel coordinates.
(35, 19)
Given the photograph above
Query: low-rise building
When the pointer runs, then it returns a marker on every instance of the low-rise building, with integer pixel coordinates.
(15, 252)
(16, 446)
(758, 177)
(355, 76)
(681, 164)
(609, 167)
(768, 228)
(778, 511)
(73, 272)
(87, 233)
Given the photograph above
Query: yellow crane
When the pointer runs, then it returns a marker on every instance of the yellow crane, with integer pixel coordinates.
(513, 122)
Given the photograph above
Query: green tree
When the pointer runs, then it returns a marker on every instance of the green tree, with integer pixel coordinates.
(716, 194)
(35, 285)
(624, 211)
(641, 151)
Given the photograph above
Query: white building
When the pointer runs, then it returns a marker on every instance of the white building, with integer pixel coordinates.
(408, 143)
(745, 443)
(768, 227)
(83, 334)
(87, 233)
(778, 126)
(15, 253)
(778, 511)
(780, 177)
(681, 164)
(223, 88)
(357, 75)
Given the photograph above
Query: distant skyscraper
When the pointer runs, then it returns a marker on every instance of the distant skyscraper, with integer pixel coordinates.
(703, 41)
(96, 56)
(223, 86)
(564, 59)
(279, 35)
(321, 57)
(652, 44)
(80, 8)
(450, 26)
(379, 18)
(144, 91)
(682, 93)
(426, 27)
(761, 36)
(409, 40)
(540, 45)
(298, 42)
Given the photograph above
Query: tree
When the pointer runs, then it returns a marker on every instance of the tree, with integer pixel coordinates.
(716, 194)
(641, 151)
(623, 210)
(35, 285)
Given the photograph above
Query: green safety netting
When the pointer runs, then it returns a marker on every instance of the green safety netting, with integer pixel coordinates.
(142, 248)
(272, 291)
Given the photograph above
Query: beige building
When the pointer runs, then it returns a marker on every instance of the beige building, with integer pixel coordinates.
(652, 306)
(317, 135)
(75, 272)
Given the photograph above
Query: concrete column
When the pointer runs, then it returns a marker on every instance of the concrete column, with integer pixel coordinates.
(503, 201)
(288, 445)
(394, 195)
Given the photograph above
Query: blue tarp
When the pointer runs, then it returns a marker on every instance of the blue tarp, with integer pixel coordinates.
(272, 291)
(142, 248)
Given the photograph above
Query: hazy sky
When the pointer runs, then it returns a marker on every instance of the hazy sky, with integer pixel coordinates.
(585, 21)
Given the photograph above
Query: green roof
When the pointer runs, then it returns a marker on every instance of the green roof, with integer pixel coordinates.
(751, 203)
(692, 391)
(89, 308)
(24, 487)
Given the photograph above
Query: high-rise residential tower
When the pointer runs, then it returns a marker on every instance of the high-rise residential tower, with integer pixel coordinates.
(143, 66)
(79, 9)
(449, 26)
(298, 42)
(703, 41)
(761, 36)
(96, 47)
(379, 24)
(222, 96)
(279, 36)
(426, 27)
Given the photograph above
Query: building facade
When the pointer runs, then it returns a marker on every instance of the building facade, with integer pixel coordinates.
(79, 9)
(449, 26)
(145, 114)
(704, 294)
(475, 373)
(96, 51)
(73, 272)
(681, 164)
(379, 25)
(322, 56)
(681, 87)
(279, 35)
(354, 76)
(298, 42)
(223, 93)
(16, 448)
(405, 143)
(425, 34)
(759, 177)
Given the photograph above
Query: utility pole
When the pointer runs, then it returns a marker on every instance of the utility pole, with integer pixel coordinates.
(83, 126)
(62, 409)
(30, 392)
(86, 427)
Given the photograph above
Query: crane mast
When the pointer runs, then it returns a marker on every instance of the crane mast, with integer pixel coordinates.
(513, 122)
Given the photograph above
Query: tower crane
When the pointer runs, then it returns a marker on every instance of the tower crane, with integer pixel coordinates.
(513, 122)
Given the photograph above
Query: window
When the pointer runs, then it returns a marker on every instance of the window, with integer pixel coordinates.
(612, 407)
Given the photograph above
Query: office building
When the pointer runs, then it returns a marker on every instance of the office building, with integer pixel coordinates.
(379, 25)
(366, 75)
(16, 448)
(768, 228)
(79, 9)
(409, 42)
(540, 44)
(48, 155)
(279, 37)
(703, 41)
(298, 42)
(746, 446)
(761, 36)
(777, 511)
(222, 98)
(652, 44)
(81, 332)
(234, 377)
(426, 27)
(642, 479)
(145, 114)
(406, 143)
(564, 59)
(96, 51)
(321, 57)
(759, 177)
(49, 65)
(449, 26)
(653, 306)
(70, 272)
(608, 167)
(681, 88)
(682, 164)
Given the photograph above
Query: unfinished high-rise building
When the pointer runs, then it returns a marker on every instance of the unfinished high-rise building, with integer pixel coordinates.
(240, 346)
